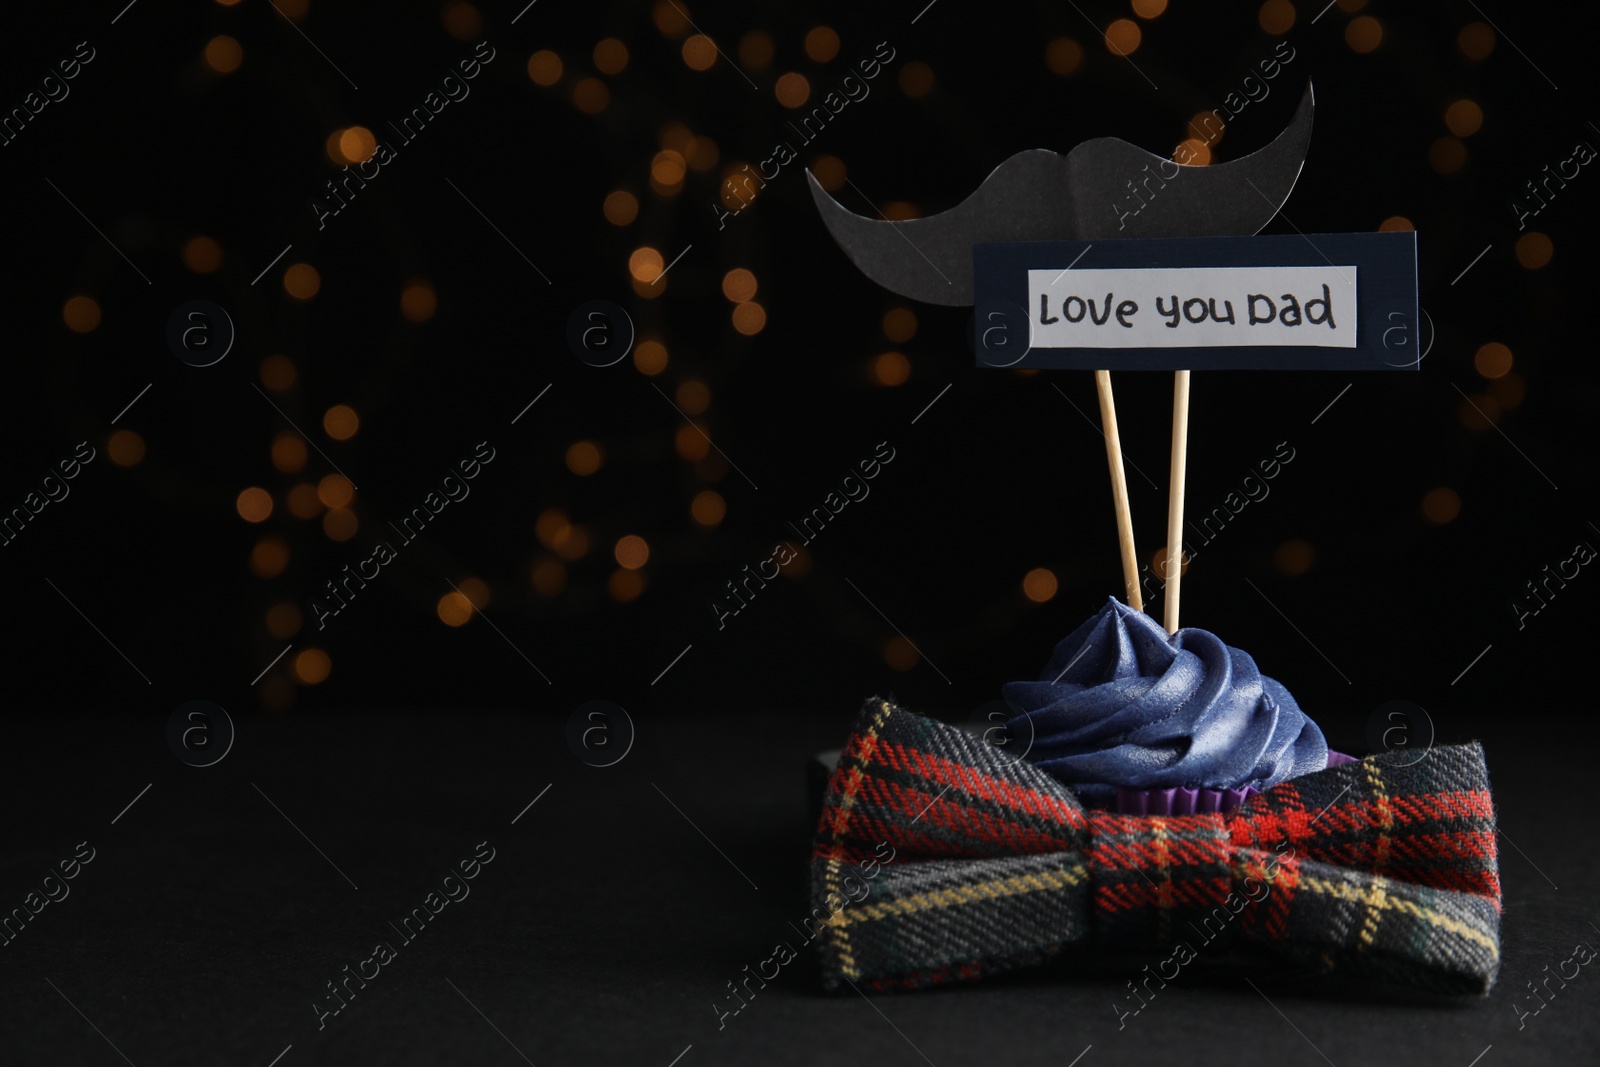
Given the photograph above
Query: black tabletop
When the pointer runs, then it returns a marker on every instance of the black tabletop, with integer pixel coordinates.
(565, 913)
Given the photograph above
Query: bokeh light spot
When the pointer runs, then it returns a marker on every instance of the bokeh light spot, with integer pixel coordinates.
(708, 508)
(584, 458)
(254, 504)
(1039, 584)
(312, 666)
(1534, 250)
(739, 285)
(341, 422)
(631, 552)
(81, 314)
(1441, 505)
(125, 448)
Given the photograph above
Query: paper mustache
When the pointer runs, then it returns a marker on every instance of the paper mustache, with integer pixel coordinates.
(1102, 189)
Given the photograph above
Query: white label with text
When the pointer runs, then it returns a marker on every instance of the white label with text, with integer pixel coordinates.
(1193, 307)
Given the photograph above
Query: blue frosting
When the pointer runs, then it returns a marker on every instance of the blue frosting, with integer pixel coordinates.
(1122, 703)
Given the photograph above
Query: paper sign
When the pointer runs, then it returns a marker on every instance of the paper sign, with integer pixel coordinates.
(1280, 302)
(1194, 307)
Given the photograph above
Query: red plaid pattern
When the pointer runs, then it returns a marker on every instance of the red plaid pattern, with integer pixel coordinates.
(1378, 870)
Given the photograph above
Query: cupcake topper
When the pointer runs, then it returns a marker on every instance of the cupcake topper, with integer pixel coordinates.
(1008, 247)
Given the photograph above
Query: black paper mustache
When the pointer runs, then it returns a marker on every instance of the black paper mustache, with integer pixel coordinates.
(1102, 189)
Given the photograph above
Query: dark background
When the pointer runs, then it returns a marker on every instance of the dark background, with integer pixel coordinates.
(137, 592)
(1001, 476)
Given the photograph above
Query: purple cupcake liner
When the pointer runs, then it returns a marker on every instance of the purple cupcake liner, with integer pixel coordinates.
(1182, 801)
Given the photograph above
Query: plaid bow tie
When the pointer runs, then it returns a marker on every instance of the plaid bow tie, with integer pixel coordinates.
(939, 858)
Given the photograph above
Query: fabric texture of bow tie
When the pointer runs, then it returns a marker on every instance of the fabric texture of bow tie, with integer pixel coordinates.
(940, 857)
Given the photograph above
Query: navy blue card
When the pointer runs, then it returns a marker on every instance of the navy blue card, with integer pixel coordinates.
(1323, 301)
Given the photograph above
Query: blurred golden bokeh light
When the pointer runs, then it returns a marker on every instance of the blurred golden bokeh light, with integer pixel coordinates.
(708, 508)
(900, 654)
(1464, 118)
(202, 255)
(1063, 55)
(549, 525)
(591, 96)
(691, 443)
(461, 20)
(610, 56)
(749, 318)
(340, 524)
(667, 170)
(694, 396)
(792, 89)
(284, 620)
(739, 285)
(1492, 360)
(351, 145)
(301, 281)
(223, 54)
(670, 17)
(900, 324)
(81, 314)
(699, 52)
(650, 357)
(288, 452)
(631, 552)
(1294, 557)
(621, 207)
(1123, 37)
(1441, 505)
(454, 609)
(891, 368)
(1476, 41)
(341, 422)
(1276, 17)
(624, 586)
(1363, 34)
(584, 458)
(916, 79)
(548, 576)
(312, 666)
(125, 448)
(418, 300)
(1447, 155)
(572, 543)
(278, 373)
(254, 504)
(335, 491)
(822, 44)
(1192, 153)
(1534, 250)
(544, 67)
(645, 264)
(269, 557)
(304, 503)
(830, 172)
(756, 50)
(1039, 585)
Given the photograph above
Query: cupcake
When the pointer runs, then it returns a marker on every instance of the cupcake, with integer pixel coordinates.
(1143, 722)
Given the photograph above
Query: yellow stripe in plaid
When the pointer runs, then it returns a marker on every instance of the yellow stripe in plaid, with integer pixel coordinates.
(850, 780)
(1163, 851)
(1374, 899)
(1345, 891)
(1385, 814)
(1016, 885)
(833, 930)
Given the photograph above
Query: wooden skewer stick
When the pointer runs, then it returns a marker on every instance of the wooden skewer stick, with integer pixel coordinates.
(1180, 447)
(1119, 491)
